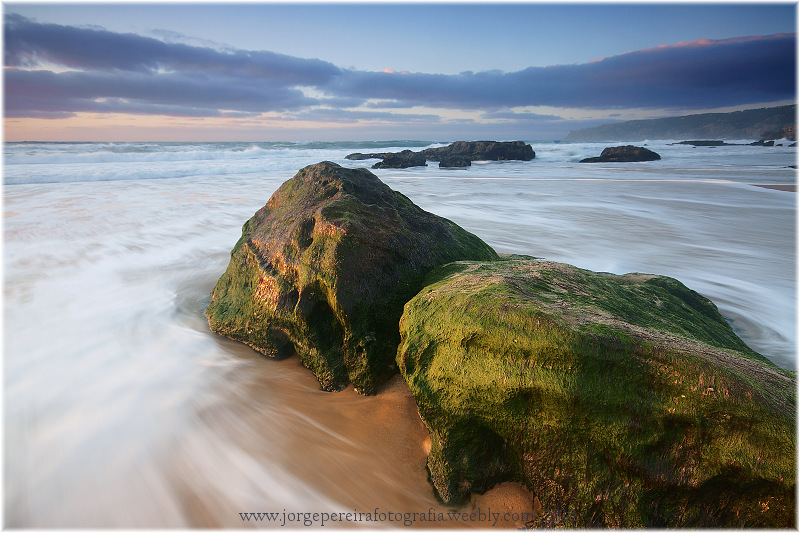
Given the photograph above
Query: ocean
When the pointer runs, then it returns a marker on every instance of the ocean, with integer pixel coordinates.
(122, 409)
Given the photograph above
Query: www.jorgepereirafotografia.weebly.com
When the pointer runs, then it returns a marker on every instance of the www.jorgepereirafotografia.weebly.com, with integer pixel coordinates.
(284, 517)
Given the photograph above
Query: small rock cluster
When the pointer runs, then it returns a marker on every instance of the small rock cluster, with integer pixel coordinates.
(457, 154)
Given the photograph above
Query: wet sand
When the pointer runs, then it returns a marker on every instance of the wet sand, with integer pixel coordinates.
(507, 505)
(358, 453)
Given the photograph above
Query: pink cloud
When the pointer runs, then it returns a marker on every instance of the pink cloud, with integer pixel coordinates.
(699, 43)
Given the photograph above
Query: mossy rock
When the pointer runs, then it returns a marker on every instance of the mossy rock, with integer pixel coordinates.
(627, 400)
(324, 269)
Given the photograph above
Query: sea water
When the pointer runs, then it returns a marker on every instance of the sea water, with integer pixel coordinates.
(122, 409)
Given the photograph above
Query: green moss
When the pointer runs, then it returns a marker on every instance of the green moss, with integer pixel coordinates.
(326, 267)
(626, 399)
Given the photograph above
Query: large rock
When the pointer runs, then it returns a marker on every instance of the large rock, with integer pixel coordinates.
(483, 151)
(324, 269)
(623, 154)
(626, 401)
(403, 159)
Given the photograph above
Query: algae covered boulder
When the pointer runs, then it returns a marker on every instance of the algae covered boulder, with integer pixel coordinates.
(324, 269)
(624, 400)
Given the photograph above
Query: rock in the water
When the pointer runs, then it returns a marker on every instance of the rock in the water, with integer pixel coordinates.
(626, 400)
(454, 161)
(623, 154)
(358, 156)
(483, 151)
(404, 159)
(457, 154)
(704, 143)
(324, 269)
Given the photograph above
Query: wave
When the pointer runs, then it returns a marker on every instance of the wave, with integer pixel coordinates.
(48, 153)
(27, 163)
(35, 162)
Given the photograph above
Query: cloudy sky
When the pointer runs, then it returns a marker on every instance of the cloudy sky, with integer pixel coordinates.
(327, 71)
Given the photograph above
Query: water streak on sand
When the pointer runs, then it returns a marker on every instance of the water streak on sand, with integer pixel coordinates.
(122, 409)
(495, 178)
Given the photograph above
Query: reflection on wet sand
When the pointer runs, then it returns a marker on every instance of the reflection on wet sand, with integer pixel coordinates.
(267, 425)
(785, 187)
(276, 429)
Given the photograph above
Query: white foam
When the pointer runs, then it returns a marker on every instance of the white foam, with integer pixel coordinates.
(115, 388)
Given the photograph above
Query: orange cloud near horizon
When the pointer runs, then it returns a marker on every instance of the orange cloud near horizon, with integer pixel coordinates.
(120, 127)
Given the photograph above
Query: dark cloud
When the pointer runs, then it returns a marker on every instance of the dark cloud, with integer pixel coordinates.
(713, 74)
(183, 94)
(28, 43)
(92, 69)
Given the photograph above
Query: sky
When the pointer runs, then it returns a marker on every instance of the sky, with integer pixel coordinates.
(377, 71)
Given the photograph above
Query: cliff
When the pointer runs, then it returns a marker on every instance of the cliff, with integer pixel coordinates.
(749, 124)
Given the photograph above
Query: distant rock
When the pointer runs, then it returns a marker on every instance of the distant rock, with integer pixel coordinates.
(359, 156)
(623, 154)
(403, 159)
(454, 154)
(324, 269)
(454, 161)
(762, 142)
(483, 151)
(705, 143)
(626, 399)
